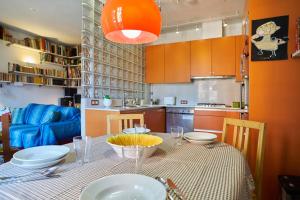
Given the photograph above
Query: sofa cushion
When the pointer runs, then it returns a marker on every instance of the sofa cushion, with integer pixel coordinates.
(69, 113)
(24, 136)
(34, 113)
(50, 116)
(18, 115)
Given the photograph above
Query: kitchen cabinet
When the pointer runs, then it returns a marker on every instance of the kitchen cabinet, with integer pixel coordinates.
(223, 56)
(155, 64)
(201, 58)
(242, 62)
(95, 122)
(212, 121)
(155, 118)
(177, 63)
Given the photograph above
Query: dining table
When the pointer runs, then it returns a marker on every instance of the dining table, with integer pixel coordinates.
(213, 171)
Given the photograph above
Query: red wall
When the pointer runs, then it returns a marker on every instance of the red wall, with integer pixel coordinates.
(275, 99)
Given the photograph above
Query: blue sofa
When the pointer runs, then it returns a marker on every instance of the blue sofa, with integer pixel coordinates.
(38, 124)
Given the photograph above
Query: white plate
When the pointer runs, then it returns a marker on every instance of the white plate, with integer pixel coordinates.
(36, 165)
(202, 142)
(124, 187)
(41, 154)
(202, 136)
(139, 130)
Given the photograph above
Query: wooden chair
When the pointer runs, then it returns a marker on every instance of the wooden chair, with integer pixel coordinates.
(241, 137)
(7, 151)
(123, 120)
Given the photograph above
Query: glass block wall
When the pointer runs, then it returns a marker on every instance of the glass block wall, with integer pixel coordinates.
(108, 68)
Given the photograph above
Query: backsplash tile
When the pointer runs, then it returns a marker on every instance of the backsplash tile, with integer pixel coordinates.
(200, 91)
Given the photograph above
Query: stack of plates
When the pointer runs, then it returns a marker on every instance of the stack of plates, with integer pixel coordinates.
(39, 157)
(200, 137)
(137, 130)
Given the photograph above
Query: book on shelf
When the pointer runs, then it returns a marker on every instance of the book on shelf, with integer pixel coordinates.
(73, 72)
(1, 32)
(74, 83)
(34, 70)
(28, 79)
(6, 77)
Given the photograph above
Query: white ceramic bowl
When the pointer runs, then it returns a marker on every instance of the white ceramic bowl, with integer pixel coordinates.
(41, 154)
(124, 187)
(201, 136)
(139, 130)
(201, 142)
(27, 165)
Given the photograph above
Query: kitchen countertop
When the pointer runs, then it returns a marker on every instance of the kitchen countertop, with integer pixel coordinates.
(128, 108)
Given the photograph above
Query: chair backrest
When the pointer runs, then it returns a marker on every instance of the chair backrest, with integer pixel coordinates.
(7, 150)
(123, 120)
(241, 137)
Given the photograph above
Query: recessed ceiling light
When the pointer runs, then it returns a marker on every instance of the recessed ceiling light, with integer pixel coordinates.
(33, 9)
(177, 31)
(197, 28)
(225, 24)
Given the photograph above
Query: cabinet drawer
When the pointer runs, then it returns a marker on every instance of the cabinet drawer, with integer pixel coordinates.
(214, 123)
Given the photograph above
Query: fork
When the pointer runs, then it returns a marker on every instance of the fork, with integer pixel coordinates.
(30, 179)
(45, 172)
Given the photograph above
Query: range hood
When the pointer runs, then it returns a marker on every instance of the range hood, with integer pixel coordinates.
(212, 77)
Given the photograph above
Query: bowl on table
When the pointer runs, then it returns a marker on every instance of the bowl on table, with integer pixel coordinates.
(201, 138)
(124, 187)
(136, 130)
(126, 145)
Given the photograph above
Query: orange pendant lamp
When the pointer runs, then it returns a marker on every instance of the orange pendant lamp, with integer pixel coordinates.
(131, 21)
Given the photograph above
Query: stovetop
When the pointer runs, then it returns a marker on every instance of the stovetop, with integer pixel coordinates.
(211, 105)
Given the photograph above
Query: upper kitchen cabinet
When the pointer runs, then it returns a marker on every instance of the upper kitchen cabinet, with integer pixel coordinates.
(223, 56)
(155, 64)
(201, 58)
(177, 63)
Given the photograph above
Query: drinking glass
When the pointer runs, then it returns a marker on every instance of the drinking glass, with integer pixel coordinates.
(82, 147)
(177, 133)
(139, 150)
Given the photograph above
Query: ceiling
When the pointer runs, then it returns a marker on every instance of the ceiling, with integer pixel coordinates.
(179, 12)
(62, 18)
(50, 18)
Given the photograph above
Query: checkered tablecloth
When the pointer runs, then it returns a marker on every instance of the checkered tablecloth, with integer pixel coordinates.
(216, 171)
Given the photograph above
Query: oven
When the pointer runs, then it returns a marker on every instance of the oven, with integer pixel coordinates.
(180, 116)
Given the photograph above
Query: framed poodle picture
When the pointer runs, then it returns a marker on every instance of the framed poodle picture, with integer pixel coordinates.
(270, 39)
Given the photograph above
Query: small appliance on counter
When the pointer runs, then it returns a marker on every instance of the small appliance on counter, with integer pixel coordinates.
(169, 100)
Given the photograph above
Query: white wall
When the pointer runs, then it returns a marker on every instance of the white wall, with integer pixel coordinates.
(19, 96)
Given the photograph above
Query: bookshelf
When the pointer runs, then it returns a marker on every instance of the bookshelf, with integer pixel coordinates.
(52, 53)
(35, 75)
(5, 77)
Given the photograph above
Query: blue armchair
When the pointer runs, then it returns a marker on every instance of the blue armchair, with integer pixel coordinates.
(38, 124)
